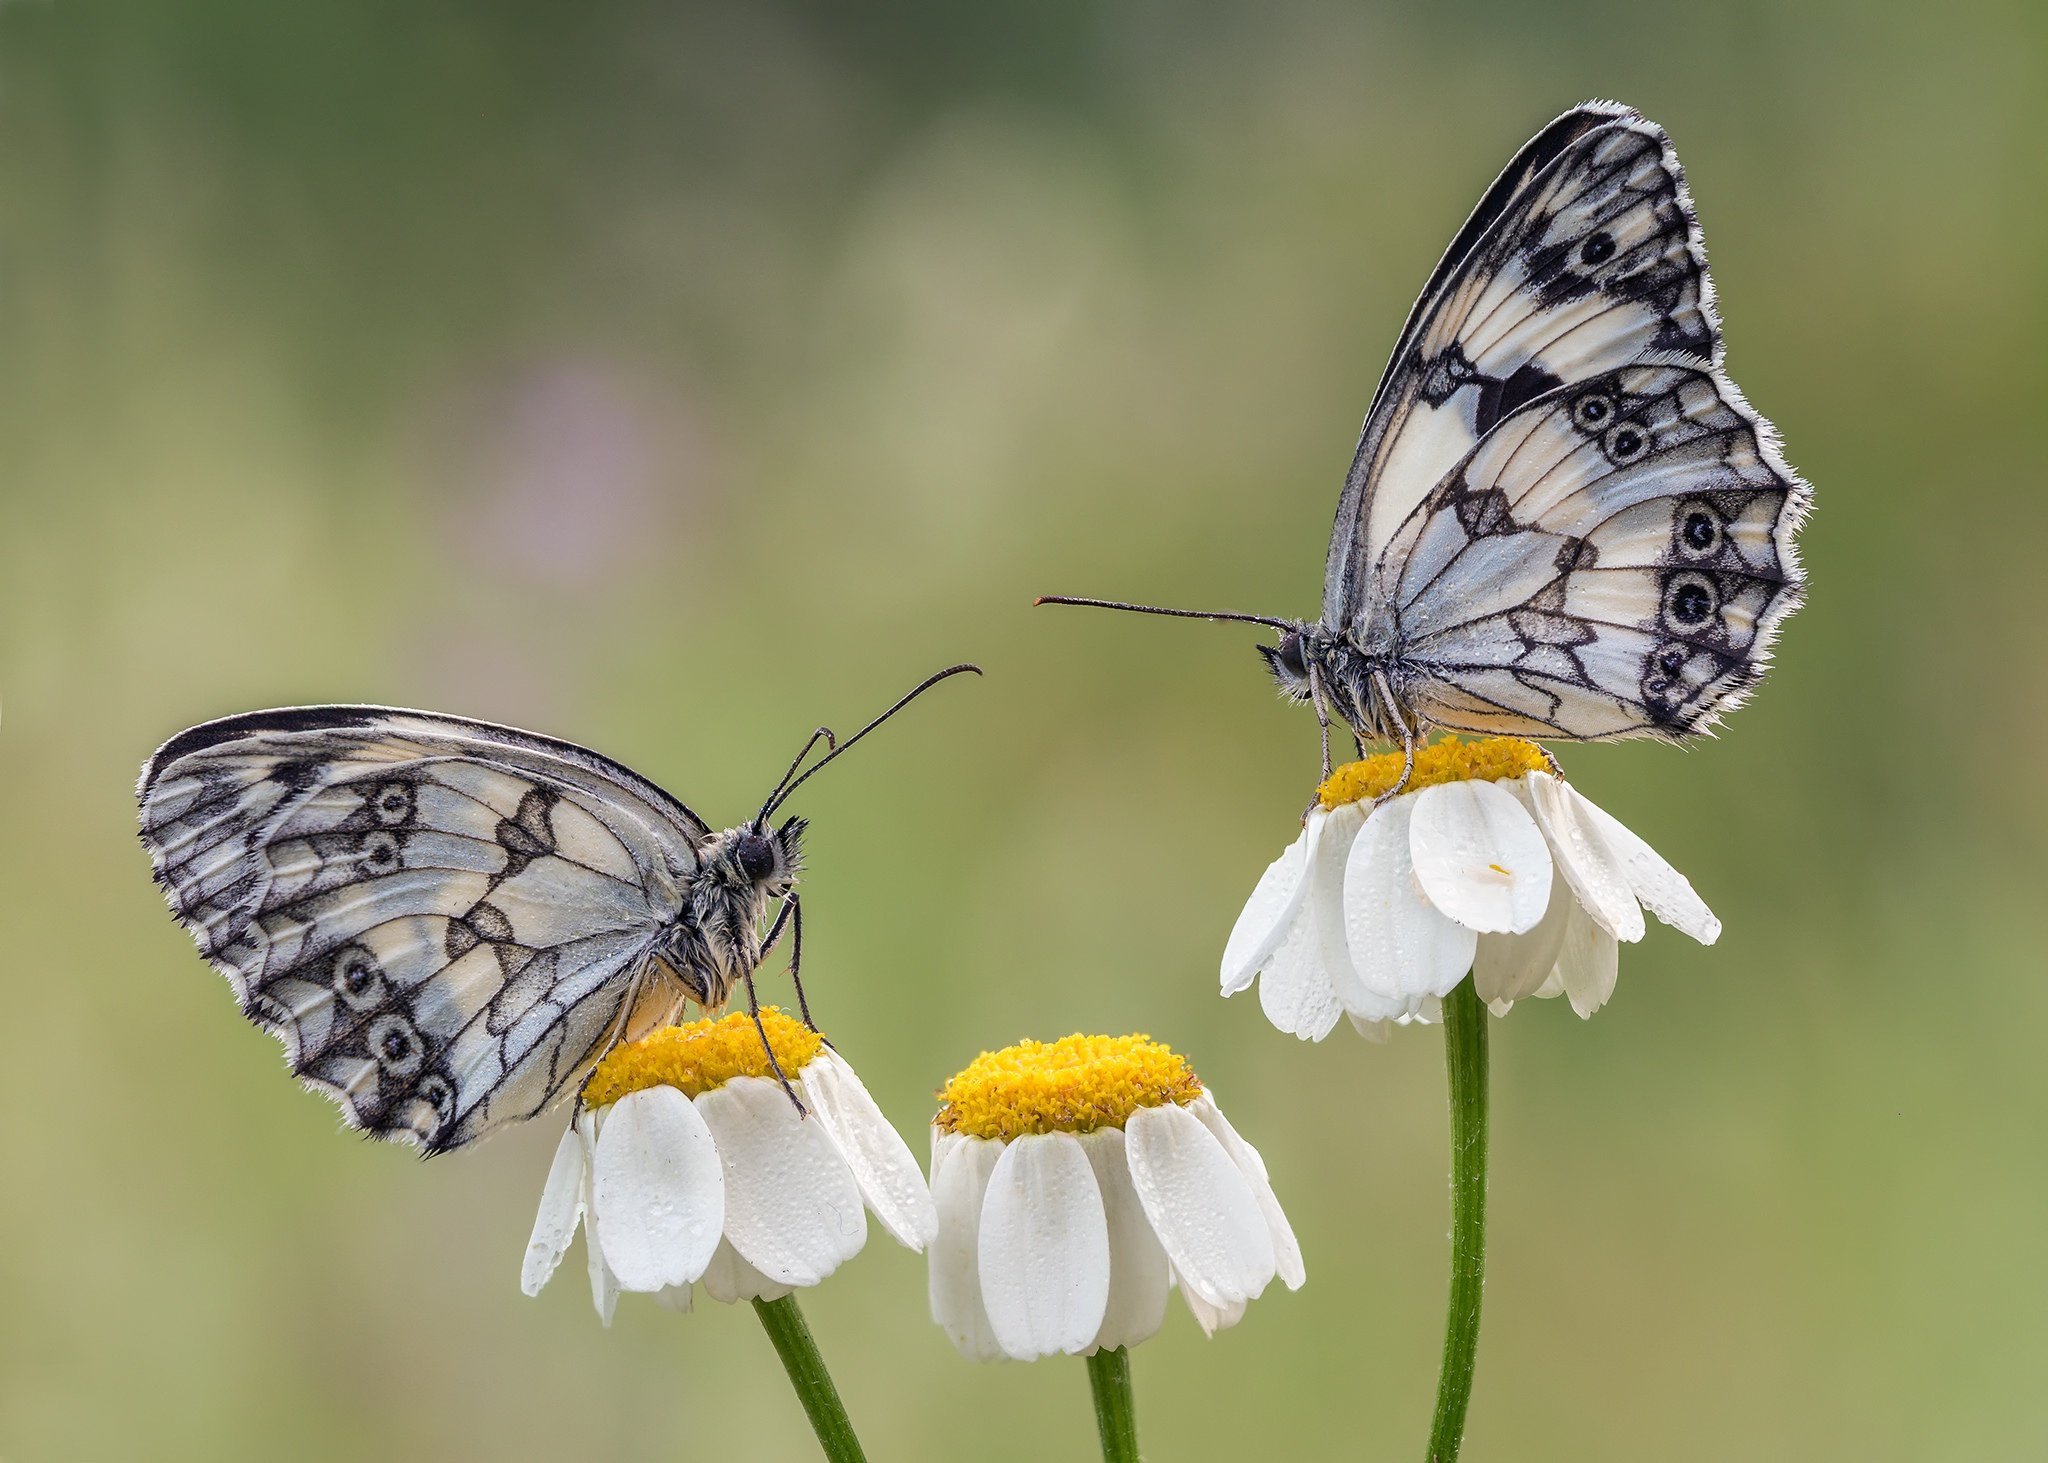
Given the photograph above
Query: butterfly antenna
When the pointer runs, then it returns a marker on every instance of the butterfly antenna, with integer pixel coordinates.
(1117, 604)
(790, 785)
(822, 734)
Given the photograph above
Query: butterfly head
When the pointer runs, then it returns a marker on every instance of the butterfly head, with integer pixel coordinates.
(755, 857)
(1310, 663)
(1288, 661)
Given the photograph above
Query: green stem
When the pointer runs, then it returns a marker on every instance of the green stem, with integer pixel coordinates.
(1116, 1416)
(1465, 1055)
(785, 1326)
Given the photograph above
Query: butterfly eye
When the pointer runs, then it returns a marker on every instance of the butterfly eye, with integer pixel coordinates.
(1592, 412)
(755, 856)
(1598, 249)
(1625, 443)
(1288, 663)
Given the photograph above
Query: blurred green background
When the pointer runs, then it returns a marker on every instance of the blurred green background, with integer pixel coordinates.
(673, 378)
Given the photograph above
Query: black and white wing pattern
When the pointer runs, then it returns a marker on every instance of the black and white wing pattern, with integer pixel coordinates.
(444, 921)
(1582, 257)
(1611, 560)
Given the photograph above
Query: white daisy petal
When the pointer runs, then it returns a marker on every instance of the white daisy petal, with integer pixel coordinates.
(1376, 1032)
(1581, 852)
(1321, 925)
(1510, 968)
(1044, 1248)
(1213, 1318)
(1402, 947)
(1264, 921)
(1296, 989)
(1200, 1205)
(657, 1189)
(729, 1279)
(1138, 1273)
(561, 1210)
(604, 1286)
(677, 1298)
(1286, 1250)
(1663, 890)
(960, 1172)
(1365, 1006)
(1479, 857)
(1589, 963)
(792, 1208)
(882, 1166)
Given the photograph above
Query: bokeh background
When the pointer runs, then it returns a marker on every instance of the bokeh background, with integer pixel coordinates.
(672, 378)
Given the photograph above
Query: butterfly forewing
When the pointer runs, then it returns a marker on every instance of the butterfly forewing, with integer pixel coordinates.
(1584, 256)
(441, 919)
(1612, 560)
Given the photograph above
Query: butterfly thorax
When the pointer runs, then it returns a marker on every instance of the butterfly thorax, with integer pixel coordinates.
(715, 942)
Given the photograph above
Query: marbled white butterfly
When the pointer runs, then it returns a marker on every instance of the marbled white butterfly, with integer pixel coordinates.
(1562, 520)
(447, 922)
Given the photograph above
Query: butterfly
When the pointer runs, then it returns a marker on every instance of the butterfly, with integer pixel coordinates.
(448, 923)
(1562, 520)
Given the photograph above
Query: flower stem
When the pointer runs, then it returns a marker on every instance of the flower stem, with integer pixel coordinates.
(1116, 1416)
(1465, 1055)
(785, 1326)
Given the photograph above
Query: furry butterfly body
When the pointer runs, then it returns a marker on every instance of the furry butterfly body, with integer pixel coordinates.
(1562, 520)
(448, 922)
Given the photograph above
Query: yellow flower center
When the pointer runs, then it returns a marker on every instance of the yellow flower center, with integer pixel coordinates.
(695, 1058)
(1074, 1085)
(1492, 759)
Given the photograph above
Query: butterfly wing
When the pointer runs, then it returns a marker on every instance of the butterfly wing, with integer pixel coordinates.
(441, 919)
(1583, 256)
(1613, 560)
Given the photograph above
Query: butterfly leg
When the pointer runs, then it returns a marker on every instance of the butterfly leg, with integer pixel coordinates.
(754, 1010)
(796, 959)
(792, 914)
(1315, 694)
(616, 1032)
(1386, 699)
(775, 930)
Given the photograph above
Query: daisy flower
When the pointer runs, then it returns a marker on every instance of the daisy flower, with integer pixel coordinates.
(687, 1162)
(1077, 1181)
(1487, 862)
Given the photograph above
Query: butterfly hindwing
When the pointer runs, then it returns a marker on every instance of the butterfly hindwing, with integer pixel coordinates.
(442, 920)
(1613, 559)
(1584, 256)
